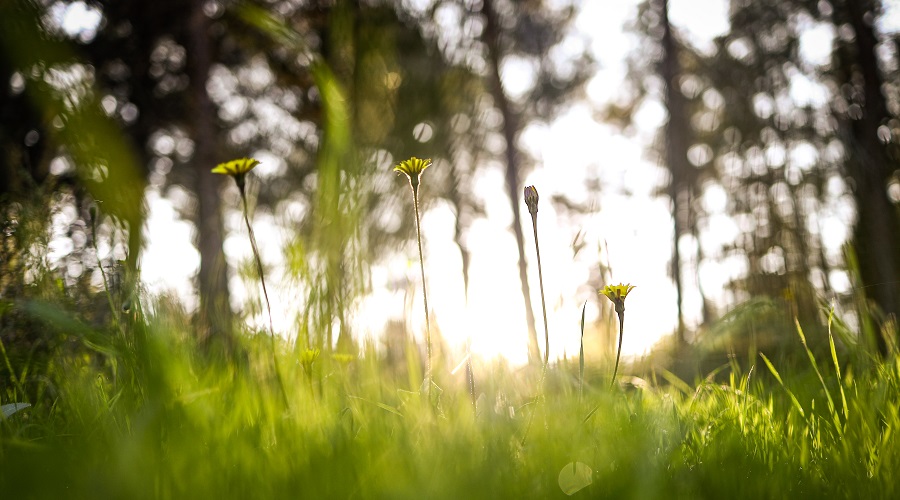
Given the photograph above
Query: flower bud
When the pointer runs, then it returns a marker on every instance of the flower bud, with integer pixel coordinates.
(531, 199)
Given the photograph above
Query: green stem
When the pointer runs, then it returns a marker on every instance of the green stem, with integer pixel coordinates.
(259, 266)
(12, 375)
(537, 249)
(262, 279)
(619, 352)
(428, 373)
(581, 356)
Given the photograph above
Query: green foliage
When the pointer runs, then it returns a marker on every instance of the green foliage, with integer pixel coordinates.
(161, 418)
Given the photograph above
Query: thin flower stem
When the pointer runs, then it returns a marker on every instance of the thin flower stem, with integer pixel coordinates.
(259, 266)
(262, 279)
(537, 249)
(619, 352)
(428, 374)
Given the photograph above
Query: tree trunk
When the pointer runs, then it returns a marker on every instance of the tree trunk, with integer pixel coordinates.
(513, 184)
(676, 134)
(458, 203)
(706, 307)
(215, 308)
(877, 235)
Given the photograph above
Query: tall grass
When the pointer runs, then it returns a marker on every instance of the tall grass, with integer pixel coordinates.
(174, 423)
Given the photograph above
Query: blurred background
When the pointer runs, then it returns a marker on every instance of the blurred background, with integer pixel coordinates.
(735, 160)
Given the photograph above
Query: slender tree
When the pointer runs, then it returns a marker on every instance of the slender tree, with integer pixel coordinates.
(510, 126)
(215, 307)
(677, 140)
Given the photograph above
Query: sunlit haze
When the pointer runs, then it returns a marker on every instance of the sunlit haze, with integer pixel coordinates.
(629, 220)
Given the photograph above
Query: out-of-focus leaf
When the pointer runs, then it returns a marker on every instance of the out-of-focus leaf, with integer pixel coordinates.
(574, 477)
(11, 408)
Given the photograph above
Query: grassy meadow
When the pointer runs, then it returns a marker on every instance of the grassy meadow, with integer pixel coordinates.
(147, 412)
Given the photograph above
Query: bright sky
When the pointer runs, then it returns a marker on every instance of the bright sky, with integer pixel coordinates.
(633, 223)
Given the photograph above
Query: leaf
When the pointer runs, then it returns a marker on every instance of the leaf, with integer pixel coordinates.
(581, 355)
(591, 413)
(837, 366)
(383, 406)
(9, 409)
(574, 477)
(781, 382)
(676, 382)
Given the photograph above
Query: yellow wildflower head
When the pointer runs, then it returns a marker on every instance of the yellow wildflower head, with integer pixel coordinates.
(617, 294)
(237, 169)
(307, 358)
(531, 199)
(413, 167)
(342, 358)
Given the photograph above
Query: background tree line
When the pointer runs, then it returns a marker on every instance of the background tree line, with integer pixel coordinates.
(333, 91)
(794, 127)
(194, 83)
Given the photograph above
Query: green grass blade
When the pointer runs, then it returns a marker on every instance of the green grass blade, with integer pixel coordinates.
(837, 366)
(815, 366)
(781, 382)
(676, 382)
(387, 408)
(581, 356)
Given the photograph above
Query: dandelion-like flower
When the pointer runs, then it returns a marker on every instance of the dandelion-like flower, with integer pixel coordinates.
(307, 358)
(413, 167)
(617, 294)
(531, 200)
(237, 169)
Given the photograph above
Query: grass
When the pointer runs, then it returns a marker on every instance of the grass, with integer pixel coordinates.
(165, 420)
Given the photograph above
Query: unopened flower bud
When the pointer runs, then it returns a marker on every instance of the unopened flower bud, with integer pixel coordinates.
(531, 199)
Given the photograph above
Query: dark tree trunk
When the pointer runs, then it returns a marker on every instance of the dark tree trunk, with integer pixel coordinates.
(877, 235)
(513, 183)
(676, 135)
(215, 308)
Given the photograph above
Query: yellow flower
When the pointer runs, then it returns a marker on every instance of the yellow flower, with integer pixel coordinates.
(342, 358)
(617, 294)
(307, 358)
(237, 169)
(531, 199)
(413, 167)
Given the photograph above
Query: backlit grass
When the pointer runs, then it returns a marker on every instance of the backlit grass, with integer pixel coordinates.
(167, 419)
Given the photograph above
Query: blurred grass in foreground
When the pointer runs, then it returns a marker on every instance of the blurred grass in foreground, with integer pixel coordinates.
(151, 415)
